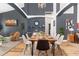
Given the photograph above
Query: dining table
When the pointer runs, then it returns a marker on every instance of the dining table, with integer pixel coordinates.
(50, 39)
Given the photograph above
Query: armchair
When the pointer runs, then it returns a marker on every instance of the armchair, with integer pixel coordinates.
(15, 36)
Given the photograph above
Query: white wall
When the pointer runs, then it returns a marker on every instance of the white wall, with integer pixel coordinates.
(47, 22)
(69, 11)
(20, 4)
(78, 13)
(5, 7)
(53, 28)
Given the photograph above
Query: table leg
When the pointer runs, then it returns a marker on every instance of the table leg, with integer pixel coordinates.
(32, 49)
(53, 48)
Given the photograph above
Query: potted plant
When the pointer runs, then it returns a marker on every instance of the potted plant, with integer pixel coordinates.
(61, 31)
(2, 39)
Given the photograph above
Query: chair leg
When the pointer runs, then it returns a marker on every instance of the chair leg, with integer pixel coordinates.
(25, 49)
(59, 48)
(46, 53)
(38, 53)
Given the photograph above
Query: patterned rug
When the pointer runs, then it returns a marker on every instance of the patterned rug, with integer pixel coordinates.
(7, 46)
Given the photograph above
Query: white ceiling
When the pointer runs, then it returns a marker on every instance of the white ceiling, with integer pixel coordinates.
(69, 11)
(5, 7)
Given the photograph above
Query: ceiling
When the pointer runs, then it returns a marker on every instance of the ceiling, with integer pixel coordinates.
(68, 11)
(5, 7)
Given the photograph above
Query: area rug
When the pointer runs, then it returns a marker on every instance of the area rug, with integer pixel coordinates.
(7, 46)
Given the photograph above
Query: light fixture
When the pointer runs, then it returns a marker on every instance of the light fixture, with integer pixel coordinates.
(36, 23)
(41, 5)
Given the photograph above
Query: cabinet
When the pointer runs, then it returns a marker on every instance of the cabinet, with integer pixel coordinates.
(71, 37)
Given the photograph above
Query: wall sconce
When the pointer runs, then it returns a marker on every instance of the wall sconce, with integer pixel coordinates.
(41, 5)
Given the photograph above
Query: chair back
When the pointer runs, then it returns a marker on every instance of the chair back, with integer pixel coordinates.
(34, 33)
(27, 36)
(42, 45)
(61, 39)
(24, 39)
(57, 37)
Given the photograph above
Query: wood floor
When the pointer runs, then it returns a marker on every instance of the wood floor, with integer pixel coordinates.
(67, 50)
(17, 51)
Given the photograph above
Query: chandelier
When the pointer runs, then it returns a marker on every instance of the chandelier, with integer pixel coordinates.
(41, 5)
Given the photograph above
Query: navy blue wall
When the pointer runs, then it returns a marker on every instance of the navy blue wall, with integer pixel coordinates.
(39, 27)
(32, 8)
(62, 18)
(16, 16)
(36, 28)
(23, 23)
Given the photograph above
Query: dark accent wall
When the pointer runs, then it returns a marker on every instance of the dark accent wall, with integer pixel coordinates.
(21, 22)
(61, 20)
(36, 28)
(27, 25)
(32, 8)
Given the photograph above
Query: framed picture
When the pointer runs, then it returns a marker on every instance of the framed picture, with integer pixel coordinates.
(10, 22)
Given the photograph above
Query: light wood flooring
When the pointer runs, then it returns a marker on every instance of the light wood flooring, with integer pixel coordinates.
(68, 49)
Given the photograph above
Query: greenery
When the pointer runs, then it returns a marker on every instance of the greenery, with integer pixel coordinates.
(2, 38)
(41, 33)
(61, 31)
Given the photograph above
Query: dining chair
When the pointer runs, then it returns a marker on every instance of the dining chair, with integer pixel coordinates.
(59, 42)
(42, 45)
(34, 33)
(26, 42)
(27, 36)
(57, 36)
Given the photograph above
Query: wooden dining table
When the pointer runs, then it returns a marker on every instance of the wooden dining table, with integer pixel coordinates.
(50, 40)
